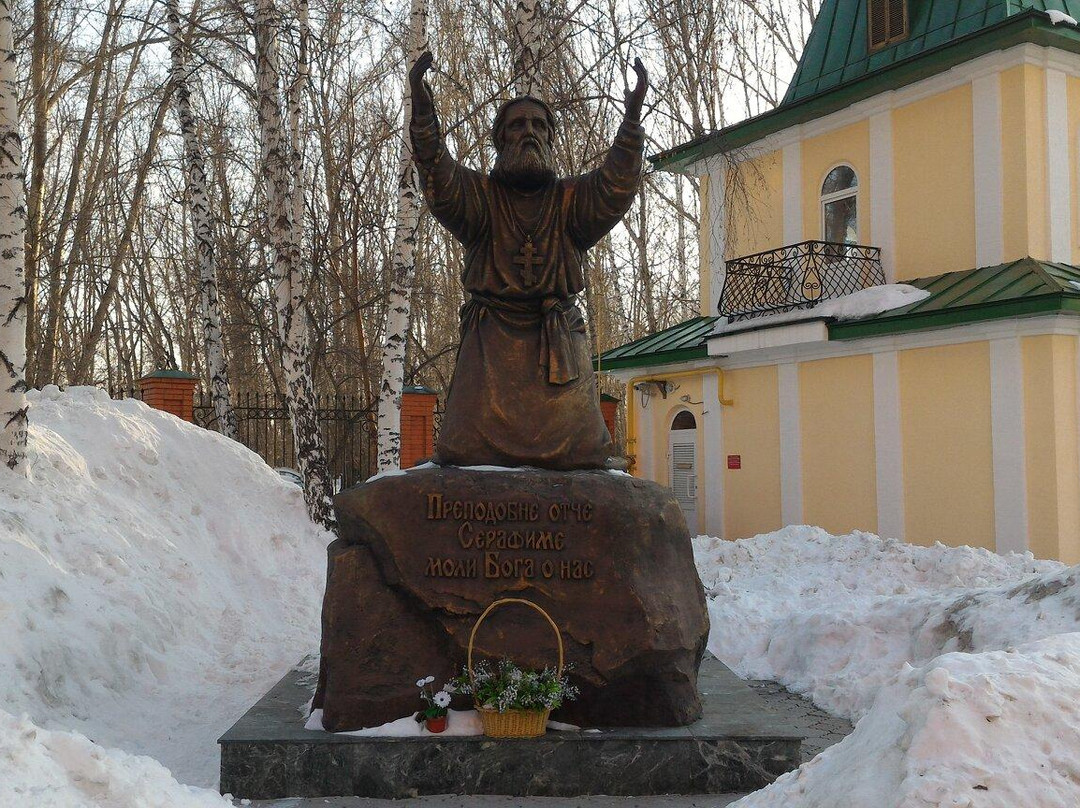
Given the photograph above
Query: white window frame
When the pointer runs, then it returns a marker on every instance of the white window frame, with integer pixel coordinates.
(836, 196)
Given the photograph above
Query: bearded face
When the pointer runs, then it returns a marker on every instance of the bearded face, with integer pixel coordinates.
(525, 158)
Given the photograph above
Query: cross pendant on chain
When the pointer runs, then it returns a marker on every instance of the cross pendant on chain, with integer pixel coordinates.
(528, 260)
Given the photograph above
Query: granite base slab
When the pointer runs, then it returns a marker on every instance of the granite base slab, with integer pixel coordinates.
(738, 745)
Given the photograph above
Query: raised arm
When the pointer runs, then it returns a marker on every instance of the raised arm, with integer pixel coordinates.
(602, 197)
(453, 192)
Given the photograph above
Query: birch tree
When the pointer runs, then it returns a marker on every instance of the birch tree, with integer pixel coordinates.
(403, 262)
(108, 227)
(12, 251)
(527, 28)
(283, 189)
(202, 231)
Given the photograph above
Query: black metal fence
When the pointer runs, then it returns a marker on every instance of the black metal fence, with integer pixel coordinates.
(797, 276)
(263, 425)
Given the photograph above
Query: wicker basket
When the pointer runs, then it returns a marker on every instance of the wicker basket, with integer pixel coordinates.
(513, 723)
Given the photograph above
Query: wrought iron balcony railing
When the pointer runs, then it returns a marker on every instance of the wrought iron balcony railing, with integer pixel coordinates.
(798, 276)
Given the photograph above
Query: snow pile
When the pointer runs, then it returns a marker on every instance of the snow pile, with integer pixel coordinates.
(864, 303)
(997, 729)
(874, 300)
(985, 719)
(66, 770)
(459, 723)
(834, 617)
(155, 580)
(1060, 17)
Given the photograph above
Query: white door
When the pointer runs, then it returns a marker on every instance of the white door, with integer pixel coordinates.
(682, 451)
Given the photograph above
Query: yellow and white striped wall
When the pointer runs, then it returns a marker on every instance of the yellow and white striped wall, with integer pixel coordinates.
(972, 167)
(965, 435)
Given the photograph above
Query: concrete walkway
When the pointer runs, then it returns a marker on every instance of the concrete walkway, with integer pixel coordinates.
(822, 730)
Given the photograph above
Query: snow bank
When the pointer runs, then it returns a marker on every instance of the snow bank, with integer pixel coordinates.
(864, 303)
(986, 718)
(66, 770)
(155, 580)
(997, 729)
(834, 617)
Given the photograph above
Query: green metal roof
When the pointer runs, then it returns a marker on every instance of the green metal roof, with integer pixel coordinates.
(837, 70)
(1020, 288)
(680, 343)
(837, 50)
(1017, 289)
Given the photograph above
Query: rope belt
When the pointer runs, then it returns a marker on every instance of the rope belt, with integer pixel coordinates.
(557, 318)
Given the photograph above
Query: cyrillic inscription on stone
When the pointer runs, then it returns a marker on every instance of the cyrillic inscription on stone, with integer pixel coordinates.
(516, 539)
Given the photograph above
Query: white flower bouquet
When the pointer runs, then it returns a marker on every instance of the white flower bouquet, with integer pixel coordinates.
(505, 686)
(433, 715)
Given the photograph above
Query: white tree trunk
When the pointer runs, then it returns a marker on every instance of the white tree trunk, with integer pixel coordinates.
(12, 251)
(403, 264)
(284, 191)
(203, 232)
(527, 27)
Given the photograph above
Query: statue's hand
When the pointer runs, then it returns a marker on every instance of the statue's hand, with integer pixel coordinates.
(636, 96)
(422, 100)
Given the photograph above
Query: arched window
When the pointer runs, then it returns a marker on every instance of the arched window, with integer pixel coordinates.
(839, 217)
(684, 420)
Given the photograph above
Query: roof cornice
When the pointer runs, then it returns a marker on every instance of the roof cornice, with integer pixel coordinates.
(1030, 27)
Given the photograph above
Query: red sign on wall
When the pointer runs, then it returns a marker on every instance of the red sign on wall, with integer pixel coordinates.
(734, 461)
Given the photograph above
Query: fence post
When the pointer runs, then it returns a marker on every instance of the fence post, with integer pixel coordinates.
(609, 405)
(172, 391)
(417, 425)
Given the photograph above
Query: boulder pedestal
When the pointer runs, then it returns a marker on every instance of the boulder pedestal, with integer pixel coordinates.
(423, 553)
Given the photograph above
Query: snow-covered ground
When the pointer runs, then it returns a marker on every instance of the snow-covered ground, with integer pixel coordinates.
(155, 579)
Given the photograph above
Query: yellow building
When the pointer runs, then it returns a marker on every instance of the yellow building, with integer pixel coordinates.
(922, 142)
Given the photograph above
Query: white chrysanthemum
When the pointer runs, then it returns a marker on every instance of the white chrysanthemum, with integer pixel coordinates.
(442, 699)
(421, 682)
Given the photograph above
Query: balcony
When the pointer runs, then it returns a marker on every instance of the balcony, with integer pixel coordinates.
(798, 276)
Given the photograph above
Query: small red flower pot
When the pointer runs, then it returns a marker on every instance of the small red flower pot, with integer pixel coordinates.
(436, 724)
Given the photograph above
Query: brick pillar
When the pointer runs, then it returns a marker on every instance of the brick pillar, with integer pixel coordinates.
(609, 405)
(172, 391)
(417, 425)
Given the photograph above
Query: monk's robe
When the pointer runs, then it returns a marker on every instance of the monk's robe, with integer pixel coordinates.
(523, 391)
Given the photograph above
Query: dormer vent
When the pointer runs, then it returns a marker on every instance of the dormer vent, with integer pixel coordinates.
(888, 22)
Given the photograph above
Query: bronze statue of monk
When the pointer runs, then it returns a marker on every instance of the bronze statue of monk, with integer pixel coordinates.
(523, 393)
